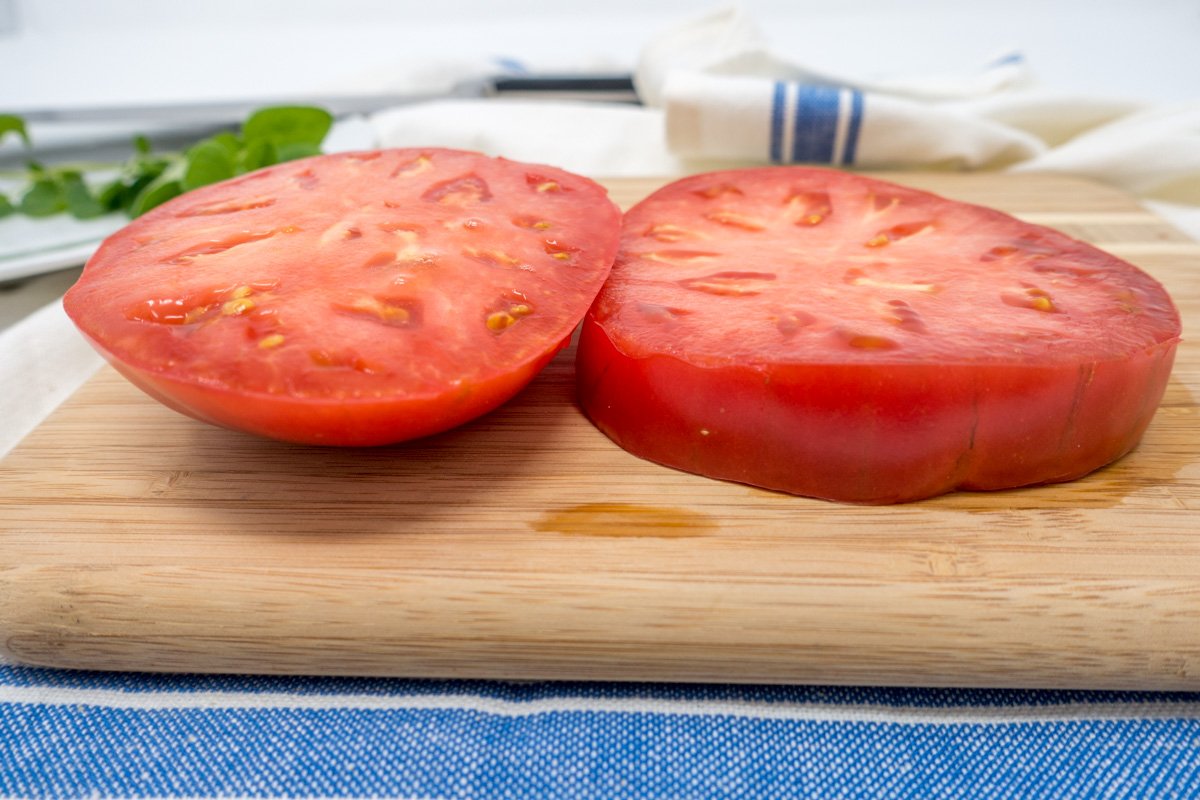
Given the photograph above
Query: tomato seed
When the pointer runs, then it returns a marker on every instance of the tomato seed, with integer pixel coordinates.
(880, 202)
(666, 232)
(495, 258)
(532, 223)
(237, 307)
(672, 256)
(416, 166)
(718, 190)
(397, 314)
(498, 321)
(733, 219)
(790, 323)
(898, 232)
(808, 208)
(1034, 298)
(465, 190)
(867, 341)
(215, 209)
(730, 284)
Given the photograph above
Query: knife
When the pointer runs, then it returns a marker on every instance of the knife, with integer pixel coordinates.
(611, 88)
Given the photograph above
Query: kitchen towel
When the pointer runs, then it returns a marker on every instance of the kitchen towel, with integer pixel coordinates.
(66, 734)
(725, 94)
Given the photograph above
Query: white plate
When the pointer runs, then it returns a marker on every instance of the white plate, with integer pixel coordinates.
(34, 246)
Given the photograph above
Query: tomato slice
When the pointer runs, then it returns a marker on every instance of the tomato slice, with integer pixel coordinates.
(351, 299)
(839, 337)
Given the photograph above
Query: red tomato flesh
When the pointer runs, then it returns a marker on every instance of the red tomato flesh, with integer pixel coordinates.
(351, 299)
(840, 337)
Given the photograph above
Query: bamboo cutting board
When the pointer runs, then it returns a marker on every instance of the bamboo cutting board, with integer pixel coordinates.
(526, 545)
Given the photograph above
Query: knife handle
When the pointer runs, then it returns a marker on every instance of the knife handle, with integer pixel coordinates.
(617, 87)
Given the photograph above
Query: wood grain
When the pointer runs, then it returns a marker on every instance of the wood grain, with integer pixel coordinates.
(526, 545)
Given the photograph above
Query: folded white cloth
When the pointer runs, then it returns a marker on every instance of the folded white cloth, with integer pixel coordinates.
(728, 42)
(1153, 153)
(42, 362)
(603, 140)
(726, 95)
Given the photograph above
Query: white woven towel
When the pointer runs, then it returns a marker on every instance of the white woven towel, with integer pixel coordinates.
(726, 95)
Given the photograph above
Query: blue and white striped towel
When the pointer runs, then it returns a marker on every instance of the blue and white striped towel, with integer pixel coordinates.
(726, 96)
(86, 734)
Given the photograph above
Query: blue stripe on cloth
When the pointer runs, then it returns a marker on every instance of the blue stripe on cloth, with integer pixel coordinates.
(815, 124)
(850, 149)
(50, 751)
(777, 98)
(1016, 57)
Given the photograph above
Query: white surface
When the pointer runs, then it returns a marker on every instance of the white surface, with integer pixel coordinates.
(1149, 50)
(43, 362)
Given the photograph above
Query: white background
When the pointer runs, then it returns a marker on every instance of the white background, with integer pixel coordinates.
(84, 51)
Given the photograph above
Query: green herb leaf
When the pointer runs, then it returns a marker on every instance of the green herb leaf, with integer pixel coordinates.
(166, 186)
(43, 199)
(229, 141)
(288, 125)
(290, 152)
(207, 162)
(157, 192)
(258, 153)
(11, 123)
(136, 174)
(110, 193)
(81, 203)
(147, 179)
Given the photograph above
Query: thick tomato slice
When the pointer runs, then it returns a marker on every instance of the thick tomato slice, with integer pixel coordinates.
(840, 337)
(351, 299)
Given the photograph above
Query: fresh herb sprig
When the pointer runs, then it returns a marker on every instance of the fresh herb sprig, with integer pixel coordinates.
(148, 179)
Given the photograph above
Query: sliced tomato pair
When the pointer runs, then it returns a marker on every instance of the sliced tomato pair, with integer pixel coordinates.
(798, 329)
(835, 336)
(351, 299)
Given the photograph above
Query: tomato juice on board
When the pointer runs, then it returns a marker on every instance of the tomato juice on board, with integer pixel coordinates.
(351, 299)
(840, 337)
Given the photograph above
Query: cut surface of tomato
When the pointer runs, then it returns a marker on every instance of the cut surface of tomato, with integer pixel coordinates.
(351, 299)
(840, 337)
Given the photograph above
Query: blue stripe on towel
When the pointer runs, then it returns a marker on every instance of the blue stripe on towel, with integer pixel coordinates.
(1011, 58)
(853, 127)
(777, 122)
(815, 124)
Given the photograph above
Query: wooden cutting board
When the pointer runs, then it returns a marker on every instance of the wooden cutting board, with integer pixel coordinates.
(526, 545)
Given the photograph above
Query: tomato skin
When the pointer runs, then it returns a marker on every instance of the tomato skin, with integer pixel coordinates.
(910, 433)
(347, 423)
(354, 299)
(852, 424)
